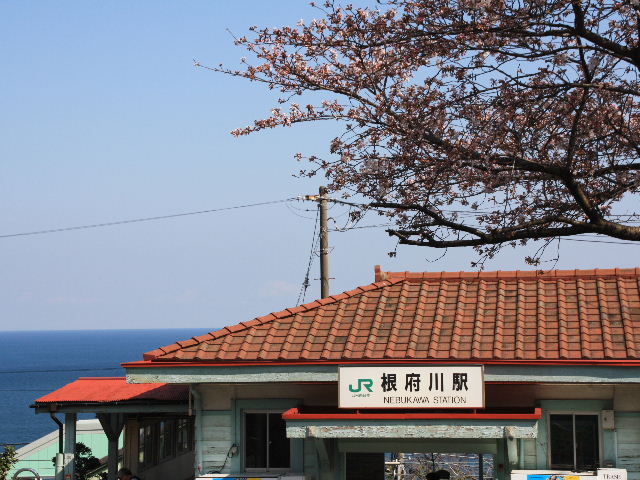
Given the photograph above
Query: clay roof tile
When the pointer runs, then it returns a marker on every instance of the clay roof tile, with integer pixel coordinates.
(529, 315)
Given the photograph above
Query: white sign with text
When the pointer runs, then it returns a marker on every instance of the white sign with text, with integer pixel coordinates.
(450, 386)
(612, 474)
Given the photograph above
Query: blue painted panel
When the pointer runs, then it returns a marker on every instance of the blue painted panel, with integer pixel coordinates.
(545, 477)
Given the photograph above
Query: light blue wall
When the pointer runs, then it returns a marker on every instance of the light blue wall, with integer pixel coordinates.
(217, 438)
(40, 459)
(627, 443)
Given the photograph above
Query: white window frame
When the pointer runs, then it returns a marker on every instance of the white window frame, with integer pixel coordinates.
(597, 414)
(244, 444)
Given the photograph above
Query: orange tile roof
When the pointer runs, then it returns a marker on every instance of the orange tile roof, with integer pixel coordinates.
(457, 316)
(114, 390)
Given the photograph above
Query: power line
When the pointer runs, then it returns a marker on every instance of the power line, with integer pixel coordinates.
(305, 283)
(628, 217)
(600, 241)
(57, 370)
(144, 219)
(346, 229)
(292, 209)
(45, 389)
(358, 227)
(257, 204)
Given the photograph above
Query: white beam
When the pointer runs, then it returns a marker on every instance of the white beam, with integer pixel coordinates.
(413, 430)
(232, 374)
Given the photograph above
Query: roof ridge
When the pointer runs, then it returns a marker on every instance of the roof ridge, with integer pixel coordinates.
(500, 274)
(287, 312)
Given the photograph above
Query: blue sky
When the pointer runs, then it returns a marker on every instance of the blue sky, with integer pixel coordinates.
(104, 117)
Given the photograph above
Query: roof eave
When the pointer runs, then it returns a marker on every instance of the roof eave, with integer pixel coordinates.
(389, 361)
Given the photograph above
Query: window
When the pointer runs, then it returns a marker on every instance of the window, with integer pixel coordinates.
(266, 444)
(574, 441)
(184, 434)
(145, 445)
(163, 439)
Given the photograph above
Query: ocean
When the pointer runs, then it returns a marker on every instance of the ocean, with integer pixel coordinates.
(33, 364)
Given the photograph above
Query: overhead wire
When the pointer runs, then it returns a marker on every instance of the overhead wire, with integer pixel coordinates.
(601, 241)
(473, 213)
(382, 225)
(314, 240)
(44, 389)
(249, 205)
(144, 219)
(293, 209)
(57, 370)
(630, 217)
(306, 282)
(357, 227)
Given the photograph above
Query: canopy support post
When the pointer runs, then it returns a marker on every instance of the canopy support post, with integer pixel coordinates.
(112, 424)
(324, 459)
(70, 420)
(512, 446)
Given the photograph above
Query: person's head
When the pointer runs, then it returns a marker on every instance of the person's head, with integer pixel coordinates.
(124, 474)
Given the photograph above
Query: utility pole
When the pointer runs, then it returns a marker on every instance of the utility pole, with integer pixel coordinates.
(324, 243)
(323, 199)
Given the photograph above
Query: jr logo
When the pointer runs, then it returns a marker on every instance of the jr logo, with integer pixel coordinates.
(362, 382)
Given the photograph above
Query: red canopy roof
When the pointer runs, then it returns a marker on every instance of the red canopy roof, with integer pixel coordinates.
(296, 414)
(114, 389)
(526, 316)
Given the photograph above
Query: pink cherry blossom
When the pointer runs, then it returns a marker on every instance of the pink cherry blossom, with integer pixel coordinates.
(478, 123)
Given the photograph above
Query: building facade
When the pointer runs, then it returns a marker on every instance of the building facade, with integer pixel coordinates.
(536, 373)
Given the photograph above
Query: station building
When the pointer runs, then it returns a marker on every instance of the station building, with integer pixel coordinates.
(535, 372)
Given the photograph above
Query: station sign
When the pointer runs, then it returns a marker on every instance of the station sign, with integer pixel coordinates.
(402, 386)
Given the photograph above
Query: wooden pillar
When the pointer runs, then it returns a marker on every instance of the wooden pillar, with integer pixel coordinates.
(131, 444)
(112, 424)
(501, 459)
(70, 420)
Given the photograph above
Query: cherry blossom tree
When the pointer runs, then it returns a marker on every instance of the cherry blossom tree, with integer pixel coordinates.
(479, 123)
